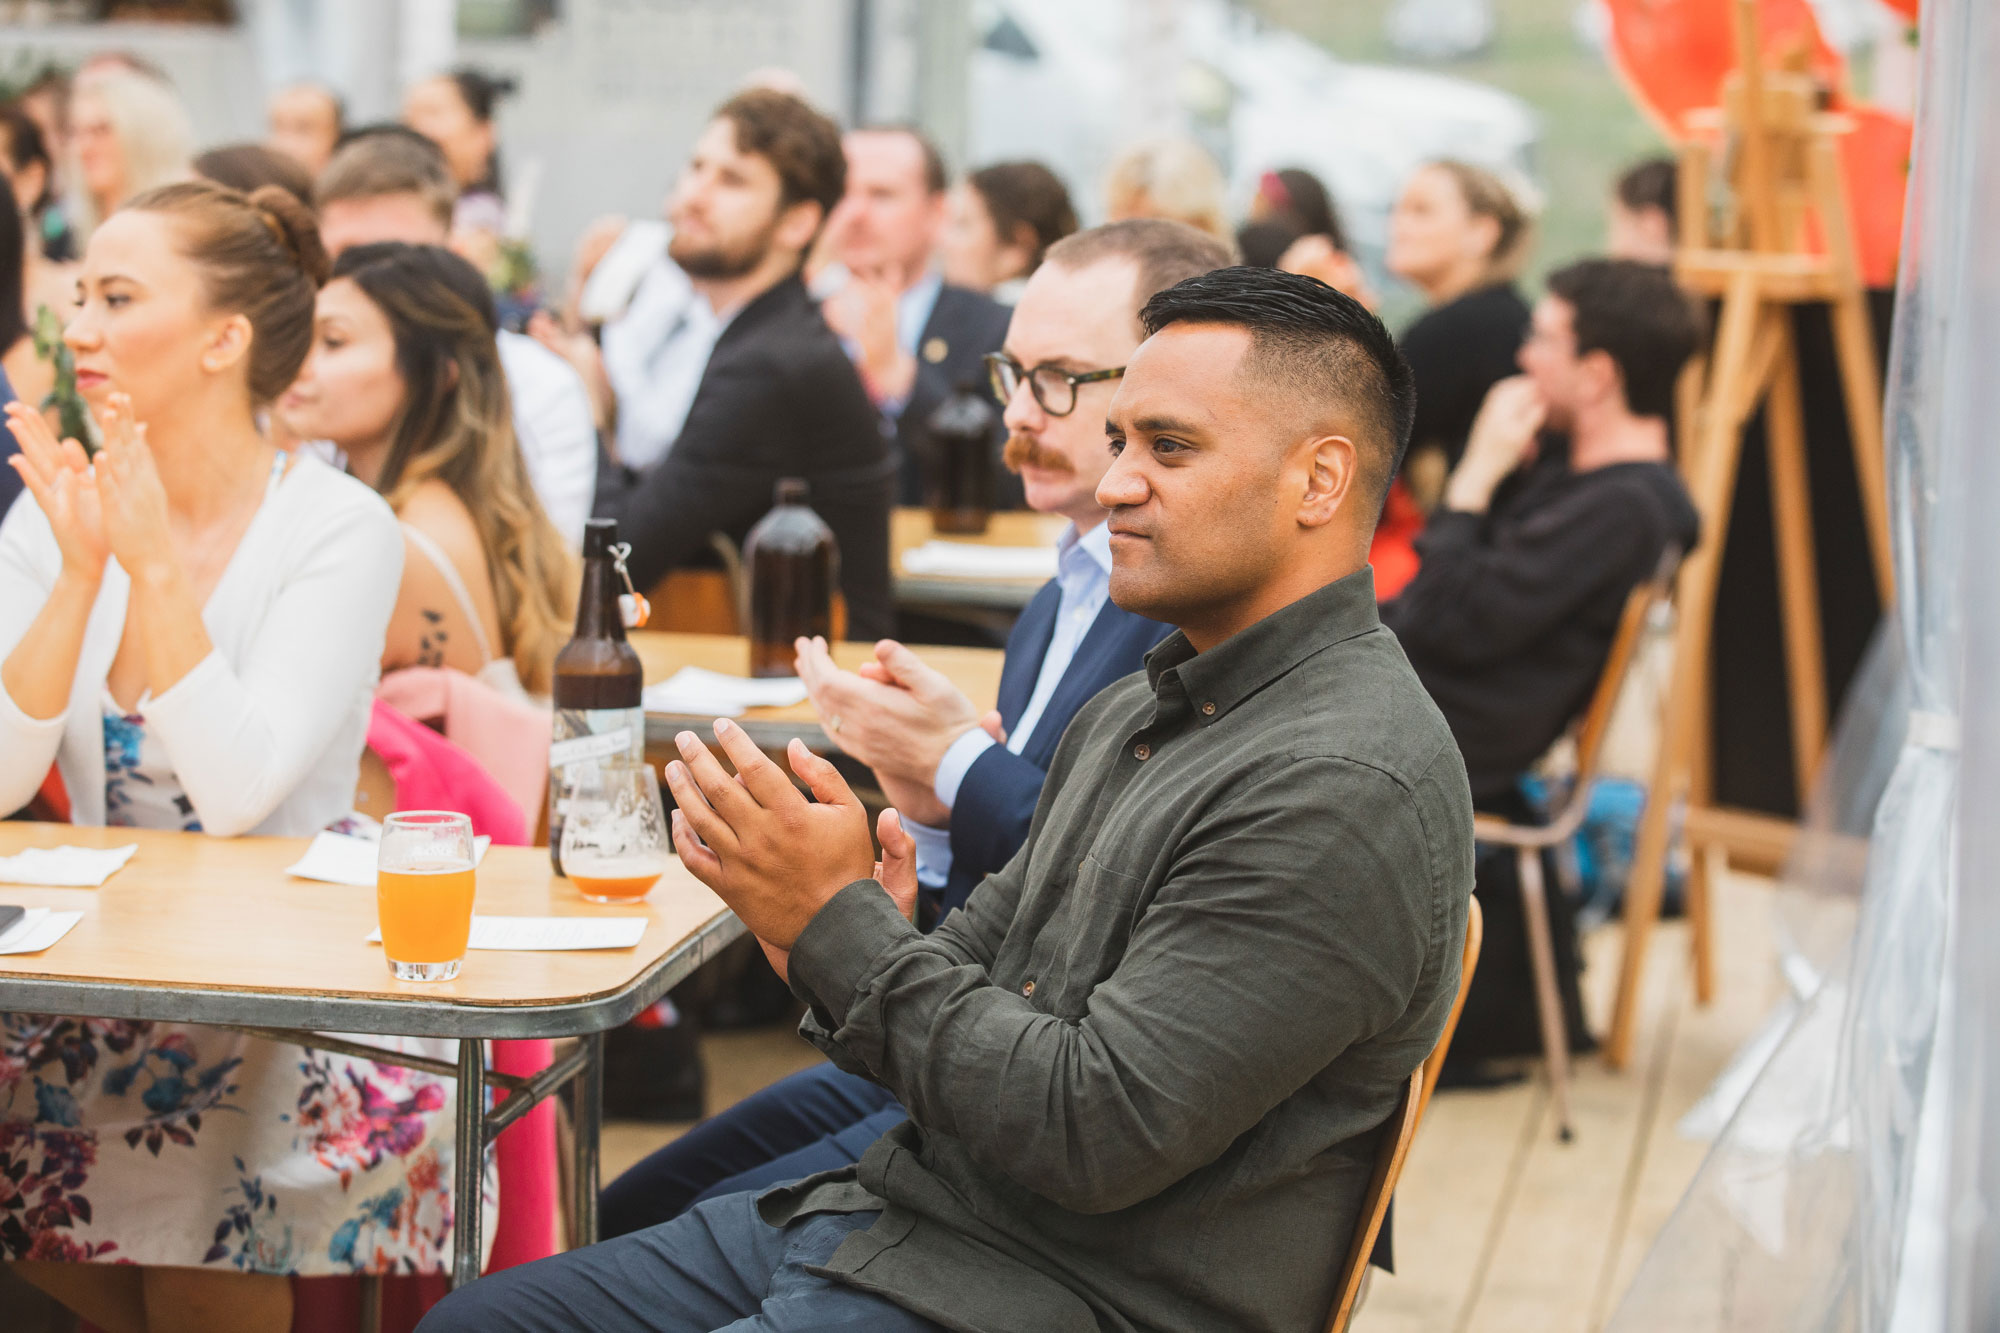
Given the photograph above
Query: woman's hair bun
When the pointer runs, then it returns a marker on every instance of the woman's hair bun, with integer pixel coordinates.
(294, 226)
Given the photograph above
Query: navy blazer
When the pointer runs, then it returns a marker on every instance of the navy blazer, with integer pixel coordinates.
(996, 801)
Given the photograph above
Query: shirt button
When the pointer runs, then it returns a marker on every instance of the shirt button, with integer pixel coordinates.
(1208, 710)
(1028, 989)
(1142, 751)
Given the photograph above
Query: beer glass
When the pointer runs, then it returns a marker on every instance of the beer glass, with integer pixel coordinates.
(423, 893)
(614, 836)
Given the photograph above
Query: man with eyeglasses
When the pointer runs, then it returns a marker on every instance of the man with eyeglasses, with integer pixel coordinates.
(966, 785)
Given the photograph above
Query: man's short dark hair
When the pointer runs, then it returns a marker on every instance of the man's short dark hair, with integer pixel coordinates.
(797, 140)
(937, 177)
(1635, 314)
(378, 160)
(1164, 252)
(1314, 342)
(1651, 184)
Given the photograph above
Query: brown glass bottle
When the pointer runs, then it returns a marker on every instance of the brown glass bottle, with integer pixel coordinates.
(962, 482)
(794, 564)
(598, 679)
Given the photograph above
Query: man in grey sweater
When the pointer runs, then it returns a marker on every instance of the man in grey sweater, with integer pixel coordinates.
(1148, 1064)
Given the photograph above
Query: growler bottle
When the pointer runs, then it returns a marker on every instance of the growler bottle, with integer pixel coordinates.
(962, 482)
(598, 680)
(794, 565)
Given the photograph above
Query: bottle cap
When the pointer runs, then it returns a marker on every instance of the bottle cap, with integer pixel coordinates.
(792, 490)
(599, 536)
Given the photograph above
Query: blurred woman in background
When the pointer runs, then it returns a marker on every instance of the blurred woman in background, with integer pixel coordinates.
(404, 376)
(455, 111)
(29, 164)
(1003, 219)
(190, 629)
(1169, 178)
(1294, 226)
(128, 133)
(1460, 235)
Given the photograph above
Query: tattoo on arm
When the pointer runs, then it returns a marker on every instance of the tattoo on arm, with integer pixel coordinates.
(431, 643)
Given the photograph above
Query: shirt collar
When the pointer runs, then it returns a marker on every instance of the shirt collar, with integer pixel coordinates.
(913, 310)
(1247, 661)
(1095, 544)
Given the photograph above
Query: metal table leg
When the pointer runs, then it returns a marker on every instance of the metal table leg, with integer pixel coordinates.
(469, 1162)
(589, 1121)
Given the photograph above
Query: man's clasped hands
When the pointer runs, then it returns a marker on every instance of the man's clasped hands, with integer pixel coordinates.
(776, 857)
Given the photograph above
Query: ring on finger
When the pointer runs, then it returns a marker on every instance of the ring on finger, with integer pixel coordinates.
(833, 723)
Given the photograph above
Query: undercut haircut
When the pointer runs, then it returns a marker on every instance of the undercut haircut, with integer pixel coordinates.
(379, 160)
(1638, 316)
(1310, 341)
(1163, 252)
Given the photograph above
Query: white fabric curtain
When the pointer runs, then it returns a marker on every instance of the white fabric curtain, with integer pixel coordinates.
(1824, 1204)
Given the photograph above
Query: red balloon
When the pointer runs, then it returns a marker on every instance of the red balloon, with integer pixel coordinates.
(1674, 54)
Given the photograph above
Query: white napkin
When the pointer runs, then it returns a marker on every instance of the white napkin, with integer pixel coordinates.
(704, 693)
(65, 867)
(968, 561)
(534, 934)
(339, 858)
(37, 929)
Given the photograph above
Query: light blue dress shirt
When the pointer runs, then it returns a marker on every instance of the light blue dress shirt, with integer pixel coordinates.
(1083, 578)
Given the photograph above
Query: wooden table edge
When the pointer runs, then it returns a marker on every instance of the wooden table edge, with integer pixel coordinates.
(385, 1014)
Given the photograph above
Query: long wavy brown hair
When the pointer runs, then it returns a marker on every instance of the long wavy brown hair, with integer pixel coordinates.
(457, 426)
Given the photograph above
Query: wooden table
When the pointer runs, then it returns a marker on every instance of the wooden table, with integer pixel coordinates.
(910, 528)
(210, 930)
(974, 670)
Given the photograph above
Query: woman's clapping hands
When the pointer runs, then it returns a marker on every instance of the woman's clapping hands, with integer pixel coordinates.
(113, 505)
(59, 476)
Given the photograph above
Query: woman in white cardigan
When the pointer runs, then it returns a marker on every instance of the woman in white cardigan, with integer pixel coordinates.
(190, 628)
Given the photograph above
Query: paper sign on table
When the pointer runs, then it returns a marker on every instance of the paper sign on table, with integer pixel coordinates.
(969, 561)
(65, 867)
(534, 934)
(38, 928)
(342, 858)
(705, 693)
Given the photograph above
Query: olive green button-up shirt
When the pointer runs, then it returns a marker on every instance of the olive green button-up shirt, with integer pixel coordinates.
(1148, 1064)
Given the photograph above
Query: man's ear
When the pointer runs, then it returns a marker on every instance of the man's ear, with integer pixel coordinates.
(1332, 478)
(1602, 379)
(799, 224)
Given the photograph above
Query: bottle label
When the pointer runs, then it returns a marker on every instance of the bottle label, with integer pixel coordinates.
(599, 745)
(579, 740)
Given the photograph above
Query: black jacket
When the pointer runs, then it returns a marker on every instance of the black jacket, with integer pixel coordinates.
(779, 398)
(964, 326)
(1510, 618)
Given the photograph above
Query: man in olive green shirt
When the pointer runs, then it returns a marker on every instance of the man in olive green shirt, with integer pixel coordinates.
(1148, 1064)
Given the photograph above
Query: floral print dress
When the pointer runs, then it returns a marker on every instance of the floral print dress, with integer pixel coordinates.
(192, 1146)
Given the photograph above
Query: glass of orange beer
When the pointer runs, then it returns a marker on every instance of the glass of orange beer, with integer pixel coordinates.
(423, 893)
(614, 836)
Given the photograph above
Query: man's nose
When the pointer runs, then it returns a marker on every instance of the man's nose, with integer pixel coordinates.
(1123, 484)
(1024, 414)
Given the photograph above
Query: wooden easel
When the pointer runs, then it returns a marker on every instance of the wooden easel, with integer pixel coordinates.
(1757, 254)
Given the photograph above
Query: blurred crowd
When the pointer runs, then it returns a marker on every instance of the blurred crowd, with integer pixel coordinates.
(296, 415)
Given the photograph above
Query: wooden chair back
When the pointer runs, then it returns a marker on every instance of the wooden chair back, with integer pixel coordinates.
(1639, 607)
(1402, 1133)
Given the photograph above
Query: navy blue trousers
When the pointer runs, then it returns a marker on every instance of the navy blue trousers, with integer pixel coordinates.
(718, 1267)
(815, 1120)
